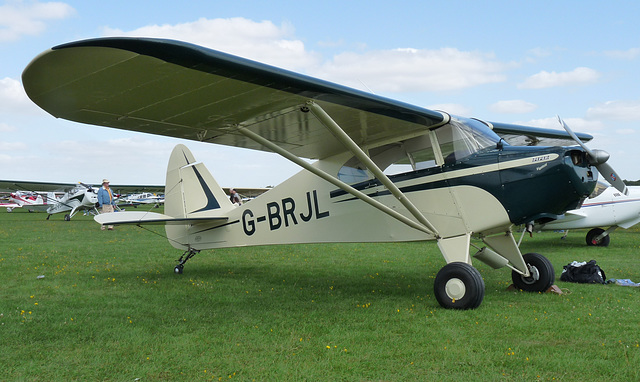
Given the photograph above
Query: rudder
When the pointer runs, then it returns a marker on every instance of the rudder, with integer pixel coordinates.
(191, 191)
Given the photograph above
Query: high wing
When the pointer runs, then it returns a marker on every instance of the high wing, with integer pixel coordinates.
(22, 185)
(518, 135)
(15, 185)
(182, 90)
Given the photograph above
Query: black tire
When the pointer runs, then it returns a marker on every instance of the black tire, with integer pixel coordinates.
(178, 269)
(459, 286)
(67, 218)
(591, 238)
(542, 274)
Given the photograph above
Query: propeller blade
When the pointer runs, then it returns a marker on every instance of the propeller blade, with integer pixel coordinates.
(612, 177)
(574, 136)
(88, 187)
(599, 158)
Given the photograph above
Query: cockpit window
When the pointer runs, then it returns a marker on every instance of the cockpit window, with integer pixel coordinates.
(463, 137)
(456, 140)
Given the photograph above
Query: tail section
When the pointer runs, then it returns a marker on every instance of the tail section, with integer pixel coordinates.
(192, 197)
(51, 198)
(191, 191)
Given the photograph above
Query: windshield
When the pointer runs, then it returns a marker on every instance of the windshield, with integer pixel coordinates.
(462, 137)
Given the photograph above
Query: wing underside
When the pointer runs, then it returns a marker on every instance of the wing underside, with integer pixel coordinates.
(185, 91)
(182, 90)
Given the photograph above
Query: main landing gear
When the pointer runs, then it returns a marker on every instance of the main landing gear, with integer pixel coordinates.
(458, 285)
(541, 275)
(189, 253)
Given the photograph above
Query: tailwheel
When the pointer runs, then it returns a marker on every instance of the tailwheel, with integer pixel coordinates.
(541, 275)
(592, 238)
(459, 286)
(189, 253)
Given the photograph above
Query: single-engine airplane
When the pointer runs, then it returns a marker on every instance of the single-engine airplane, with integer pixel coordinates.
(466, 178)
(33, 201)
(67, 197)
(606, 207)
(80, 198)
(141, 198)
(74, 198)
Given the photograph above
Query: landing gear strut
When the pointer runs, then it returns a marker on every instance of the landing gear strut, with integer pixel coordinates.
(189, 253)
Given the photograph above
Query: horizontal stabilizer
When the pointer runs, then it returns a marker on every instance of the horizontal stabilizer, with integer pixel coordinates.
(141, 217)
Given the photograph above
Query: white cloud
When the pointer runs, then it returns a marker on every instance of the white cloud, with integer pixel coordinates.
(396, 70)
(546, 79)
(12, 146)
(18, 18)
(616, 110)
(516, 106)
(14, 100)
(6, 128)
(576, 124)
(452, 108)
(628, 54)
(539, 52)
(406, 70)
(261, 41)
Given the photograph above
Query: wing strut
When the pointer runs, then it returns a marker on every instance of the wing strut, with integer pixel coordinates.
(343, 137)
(333, 180)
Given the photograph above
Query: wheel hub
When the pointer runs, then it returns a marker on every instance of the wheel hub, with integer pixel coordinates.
(455, 289)
(535, 276)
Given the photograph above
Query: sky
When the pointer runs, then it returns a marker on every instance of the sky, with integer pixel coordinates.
(520, 62)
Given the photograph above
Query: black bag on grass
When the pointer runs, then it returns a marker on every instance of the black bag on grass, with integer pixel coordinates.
(588, 273)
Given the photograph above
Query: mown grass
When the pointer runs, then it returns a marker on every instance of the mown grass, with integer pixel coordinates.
(110, 308)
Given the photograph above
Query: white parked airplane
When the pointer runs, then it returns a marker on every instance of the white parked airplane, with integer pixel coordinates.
(141, 198)
(33, 201)
(465, 178)
(67, 197)
(606, 207)
(79, 198)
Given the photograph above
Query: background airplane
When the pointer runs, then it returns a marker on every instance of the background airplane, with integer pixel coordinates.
(463, 179)
(33, 201)
(141, 198)
(152, 198)
(606, 207)
(69, 198)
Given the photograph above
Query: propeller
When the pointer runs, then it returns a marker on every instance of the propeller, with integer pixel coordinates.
(598, 158)
(88, 187)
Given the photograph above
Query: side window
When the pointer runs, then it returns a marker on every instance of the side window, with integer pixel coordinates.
(396, 158)
(453, 141)
(352, 175)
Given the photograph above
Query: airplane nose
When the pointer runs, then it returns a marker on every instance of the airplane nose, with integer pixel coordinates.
(580, 172)
(598, 157)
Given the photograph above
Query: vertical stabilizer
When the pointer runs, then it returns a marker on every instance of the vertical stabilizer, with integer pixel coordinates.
(190, 189)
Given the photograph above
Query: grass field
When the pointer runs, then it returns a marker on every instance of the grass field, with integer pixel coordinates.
(110, 308)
